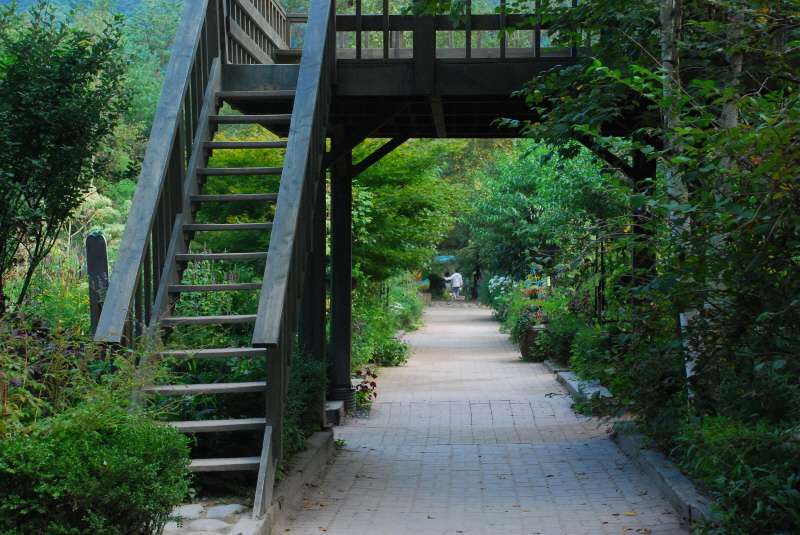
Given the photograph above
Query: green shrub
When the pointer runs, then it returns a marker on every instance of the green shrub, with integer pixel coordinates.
(301, 416)
(750, 469)
(391, 352)
(556, 342)
(591, 353)
(96, 468)
(379, 312)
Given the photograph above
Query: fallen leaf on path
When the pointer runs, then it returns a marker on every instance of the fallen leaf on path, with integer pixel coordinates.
(614, 514)
(526, 510)
(501, 477)
(340, 490)
(630, 514)
(321, 492)
(431, 517)
(323, 504)
(604, 522)
(645, 531)
(371, 509)
(515, 506)
(549, 475)
(323, 529)
(582, 503)
(309, 504)
(666, 512)
(580, 473)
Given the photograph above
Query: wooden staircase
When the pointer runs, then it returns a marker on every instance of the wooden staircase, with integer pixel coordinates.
(156, 245)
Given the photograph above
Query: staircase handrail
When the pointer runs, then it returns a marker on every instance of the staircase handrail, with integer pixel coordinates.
(151, 208)
(276, 309)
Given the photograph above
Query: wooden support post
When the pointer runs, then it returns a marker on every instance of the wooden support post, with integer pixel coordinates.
(358, 29)
(537, 32)
(341, 279)
(424, 55)
(385, 29)
(468, 30)
(97, 271)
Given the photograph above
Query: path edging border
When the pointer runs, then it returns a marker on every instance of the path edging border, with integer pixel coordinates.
(579, 389)
(676, 488)
(306, 465)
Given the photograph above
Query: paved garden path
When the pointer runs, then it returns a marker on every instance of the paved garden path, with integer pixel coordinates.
(465, 439)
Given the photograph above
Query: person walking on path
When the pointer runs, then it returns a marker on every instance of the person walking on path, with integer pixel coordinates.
(467, 438)
(456, 282)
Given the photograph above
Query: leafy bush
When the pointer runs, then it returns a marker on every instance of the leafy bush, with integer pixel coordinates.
(556, 342)
(301, 417)
(96, 468)
(591, 353)
(375, 324)
(497, 292)
(751, 470)
(391, 352)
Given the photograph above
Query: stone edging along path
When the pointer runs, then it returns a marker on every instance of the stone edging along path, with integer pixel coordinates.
(673, 485)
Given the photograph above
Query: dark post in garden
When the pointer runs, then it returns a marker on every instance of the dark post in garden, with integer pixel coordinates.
(97, 271)
(341, 281)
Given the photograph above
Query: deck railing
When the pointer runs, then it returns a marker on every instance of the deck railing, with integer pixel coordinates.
(210, 32)
(387, 35)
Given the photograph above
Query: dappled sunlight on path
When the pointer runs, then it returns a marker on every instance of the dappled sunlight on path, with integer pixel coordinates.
(464, 439)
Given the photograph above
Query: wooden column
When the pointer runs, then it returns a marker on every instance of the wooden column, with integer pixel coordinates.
(341, 279)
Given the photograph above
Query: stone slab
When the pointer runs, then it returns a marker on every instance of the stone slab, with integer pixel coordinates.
(190, 511)
(334, 412)
(208, 524)
(306, 467)
(580, 389)
(219, 511)
(555, 368)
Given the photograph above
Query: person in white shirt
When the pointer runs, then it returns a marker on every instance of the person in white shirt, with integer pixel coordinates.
(456, 281)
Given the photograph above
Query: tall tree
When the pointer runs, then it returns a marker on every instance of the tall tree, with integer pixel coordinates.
(60, 95)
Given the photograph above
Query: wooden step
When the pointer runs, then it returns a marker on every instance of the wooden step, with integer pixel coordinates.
(214, 388)
(238, 197)
(225, 465)
(197, 257)
(214, 426)
(238, 171)
(208, 320)
(214, 353)
(282, 118)
(291, 56)
(187, 288)
(240, 96)
(219, 227)
(278, 144)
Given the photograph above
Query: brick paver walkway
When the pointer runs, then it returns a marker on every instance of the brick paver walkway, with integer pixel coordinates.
(464, 439)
